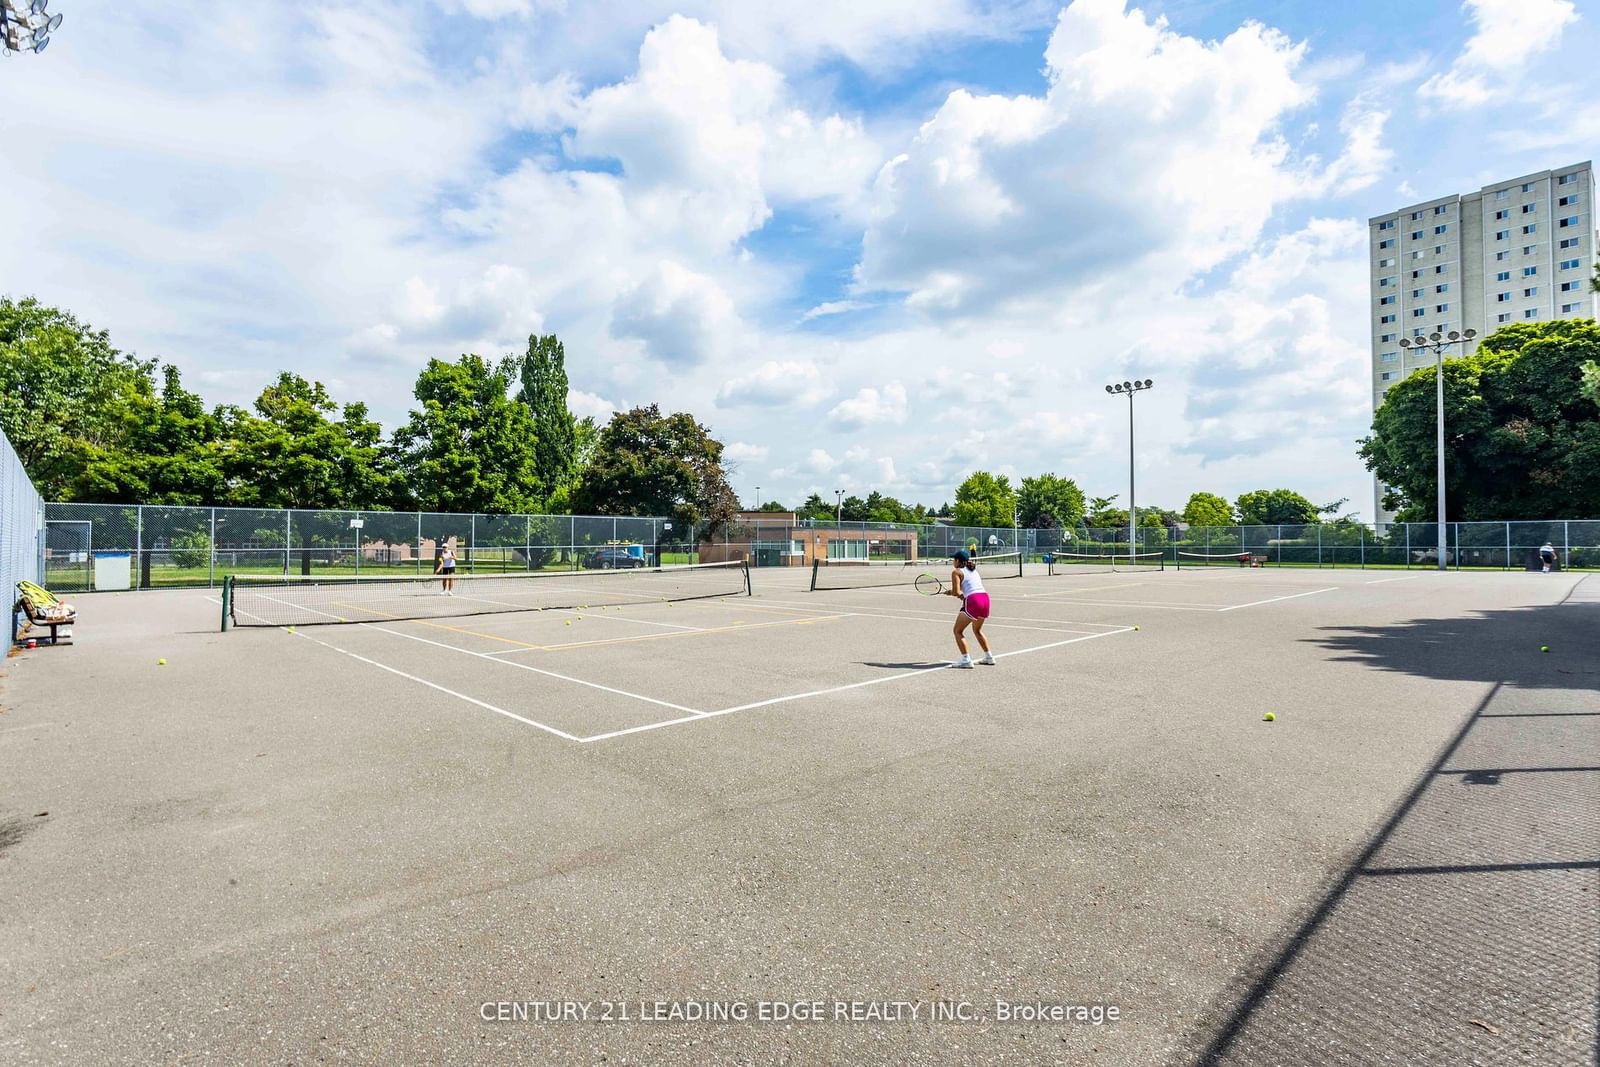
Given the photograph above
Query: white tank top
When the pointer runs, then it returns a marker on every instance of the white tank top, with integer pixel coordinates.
(971, 582)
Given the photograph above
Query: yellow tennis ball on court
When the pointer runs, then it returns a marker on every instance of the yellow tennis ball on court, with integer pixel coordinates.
(1269, 717)
(291, 629)
(1544, 648)
(161, 663)
(1135, 629)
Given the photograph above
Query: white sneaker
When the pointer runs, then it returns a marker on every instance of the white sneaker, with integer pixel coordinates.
(988, 659)
(964, 663)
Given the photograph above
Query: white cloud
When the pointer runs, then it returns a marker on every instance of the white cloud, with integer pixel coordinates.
(1508, 34)
(588, 405)
(1150, 153)
(744, 452)
(682, 317)
(775, 383)
(871, 405)
(833, 307)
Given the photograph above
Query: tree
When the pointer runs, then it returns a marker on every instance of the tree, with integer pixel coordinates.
(469, 447)
(1207, 509)
(585, 435)
(1591, 381)
(543, 372)
(1047, 502)
(853, 509)
(647, 463)
(772, 506)
(1523, 439)
(985, 499)
(68, 399)
(1102, 514)
(1275, 507)
(815, 508)
(294, 454)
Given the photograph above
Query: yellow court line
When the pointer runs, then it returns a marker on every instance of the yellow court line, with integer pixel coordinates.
(686, 633)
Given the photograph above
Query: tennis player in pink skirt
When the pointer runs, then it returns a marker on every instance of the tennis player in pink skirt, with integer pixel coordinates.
(966, 583)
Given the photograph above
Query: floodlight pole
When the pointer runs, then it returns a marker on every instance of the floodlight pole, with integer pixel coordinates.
(838, 515)
(1128, 389)
(1439, 342)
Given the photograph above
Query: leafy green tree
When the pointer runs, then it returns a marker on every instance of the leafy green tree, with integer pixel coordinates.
(68, 398)
(1207, 509)
(1591, 381)
(1522, 439)
(585, 435)
(853, 509)
(1273, 507)
(1048, 502)
(1102, 514)
(294, 452)
(985, 499)
(469, 447)
(771, 506)
(815, 508)
(647, 463)
(543, 372)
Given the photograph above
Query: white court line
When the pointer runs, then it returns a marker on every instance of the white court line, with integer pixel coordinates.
(836, 689)
(535, 670)
(1130, 603)
(449, 692)
(1380, 581)
(596, 613)
(1271, 600)
(491, 659)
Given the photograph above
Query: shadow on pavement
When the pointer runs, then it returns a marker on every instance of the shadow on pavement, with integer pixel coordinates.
(918, 665)
(1468, 929)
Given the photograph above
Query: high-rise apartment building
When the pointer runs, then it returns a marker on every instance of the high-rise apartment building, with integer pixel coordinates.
(1515, 251)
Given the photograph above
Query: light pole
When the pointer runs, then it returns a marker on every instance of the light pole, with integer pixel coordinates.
(1439, 342)
(758, 498)
(838, 515)
(25, 25)
(1128, 389)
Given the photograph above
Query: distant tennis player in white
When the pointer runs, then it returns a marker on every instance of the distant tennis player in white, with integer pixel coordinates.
(968, 585)
(445, 567)
(1547, 556)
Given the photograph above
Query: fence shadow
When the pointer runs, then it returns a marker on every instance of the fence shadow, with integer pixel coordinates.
(1468, 928)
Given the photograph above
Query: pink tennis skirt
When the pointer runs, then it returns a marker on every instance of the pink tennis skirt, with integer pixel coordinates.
(975, 605)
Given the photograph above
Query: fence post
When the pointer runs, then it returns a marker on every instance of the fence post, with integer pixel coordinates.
(1363, 548)
(1457, 526)
(211, 556)
(1566, 544)
(138, 547)
(418, 552)
(1508, 546)
(286, 514)
(1408, 546)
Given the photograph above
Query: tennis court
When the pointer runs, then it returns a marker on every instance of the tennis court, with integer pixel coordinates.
(366, 836)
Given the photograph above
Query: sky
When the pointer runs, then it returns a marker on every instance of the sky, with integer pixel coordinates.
(870, 245)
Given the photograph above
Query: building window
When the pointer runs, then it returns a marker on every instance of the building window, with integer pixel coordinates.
(1503, 276)
(1384, 283)
(1528, 272)
(1566, 179)
(1503, 318)
(1503, 213)
(1570, 242)
(1386, 339)
(1529, 250)
(1567, 201)
(1442, 308)
(1438, 250)
(1417, 313)
(1532, 290)
(1501, 255)
(1390, 357)
(1418, 254)
(1441, 268)
(1437, 230)
(1527, 187)
(1571, 264)
(1570, 287)
(1501, 235)
(1445, 288)
(1529, 209)
(1567, 309)
(1441, 209)
(1415, 275)
(1570, 220)
(1387, 299)
(1387, 242)
(1416, 294)
(1388, 375)
(1531, 313)
(1387, 225)
(1415, 215)
(1416, 235)
(1385, 263)
(1501, 194)
(1502, 297)
(1386, 319)
(1531, 228)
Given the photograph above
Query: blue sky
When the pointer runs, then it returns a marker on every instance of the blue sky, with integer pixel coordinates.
(871, 245)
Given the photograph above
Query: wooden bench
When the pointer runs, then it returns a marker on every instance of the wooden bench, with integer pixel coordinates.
(45, 610)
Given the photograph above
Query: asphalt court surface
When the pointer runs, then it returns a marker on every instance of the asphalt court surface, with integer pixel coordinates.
(342, 841)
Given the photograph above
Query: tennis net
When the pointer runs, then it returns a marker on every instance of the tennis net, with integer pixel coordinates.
(865, 574)
(292, 600)
(1091, 563)
(1241, 558)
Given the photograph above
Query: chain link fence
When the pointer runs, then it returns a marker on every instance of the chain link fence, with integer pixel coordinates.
(114, 546)
(21, 526)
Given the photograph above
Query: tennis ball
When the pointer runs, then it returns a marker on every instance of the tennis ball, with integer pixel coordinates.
(1269, 717)
(1135, 629)
(569, 622)
(291, 629)
(161, 663)
(1544, 648)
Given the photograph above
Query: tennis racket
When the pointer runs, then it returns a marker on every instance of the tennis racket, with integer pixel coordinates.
(928, 585)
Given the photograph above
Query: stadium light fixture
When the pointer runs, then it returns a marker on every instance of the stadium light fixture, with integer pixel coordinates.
(1128, 389)
(1439, 342)
(838, 515)
(26, 26)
